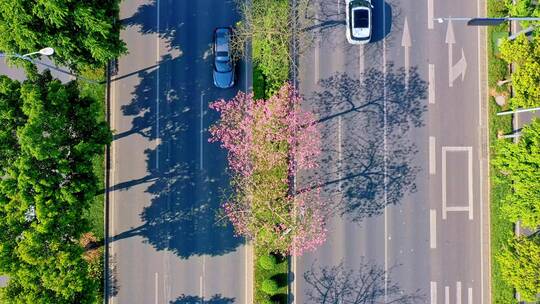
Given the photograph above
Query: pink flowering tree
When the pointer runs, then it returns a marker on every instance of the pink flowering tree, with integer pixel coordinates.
(268, 142)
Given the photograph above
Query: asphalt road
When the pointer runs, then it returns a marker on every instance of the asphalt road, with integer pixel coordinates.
(167, 244)
(404, 157)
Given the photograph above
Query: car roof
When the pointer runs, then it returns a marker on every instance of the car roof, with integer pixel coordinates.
(222, 39)
(360, 3)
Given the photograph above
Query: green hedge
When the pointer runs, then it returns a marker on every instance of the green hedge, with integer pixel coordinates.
(501, 228)
(264, 293)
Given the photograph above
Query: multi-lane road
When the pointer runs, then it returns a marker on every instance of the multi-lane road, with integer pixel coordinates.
(405, 158)
(167, 244)
(403, 123)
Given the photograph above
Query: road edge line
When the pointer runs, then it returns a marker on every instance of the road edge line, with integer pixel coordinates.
(106, 192)
(484, 154)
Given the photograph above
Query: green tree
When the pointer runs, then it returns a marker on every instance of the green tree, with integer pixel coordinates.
(525, 55)
(46, 187)
(523, 8)
(81, 32)
(520, 266)
(520, 166)
(11, 117)
(268, 25)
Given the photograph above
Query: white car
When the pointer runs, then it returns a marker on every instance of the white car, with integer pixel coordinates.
(358, 21)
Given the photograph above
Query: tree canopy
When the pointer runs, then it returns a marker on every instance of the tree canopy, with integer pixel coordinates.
(520, 266)
(267, 142)
(525, 54)
(50, 136)
(520, 165)
(81, 32)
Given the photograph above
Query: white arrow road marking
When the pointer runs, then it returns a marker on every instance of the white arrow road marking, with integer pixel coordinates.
(458, 69)
(461, 66)
(406, 44)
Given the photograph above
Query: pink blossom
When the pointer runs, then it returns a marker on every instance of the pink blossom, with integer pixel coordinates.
(260, 137)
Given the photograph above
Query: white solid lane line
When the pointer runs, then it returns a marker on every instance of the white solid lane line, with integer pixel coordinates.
(201, 132)
(433, 291)
(201, 291)
(469, 296)
(431, 83)
(443, 178)
(361, 61)
(430, 14)
(433, 228)
(157, 86)
(385, 179)
(156, 278)
(470, 182)
(340, 155)
(316, 54)
(458, 292)
(446, 295)
(432, 156)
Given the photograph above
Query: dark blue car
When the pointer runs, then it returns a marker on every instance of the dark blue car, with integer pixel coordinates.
(223, 63)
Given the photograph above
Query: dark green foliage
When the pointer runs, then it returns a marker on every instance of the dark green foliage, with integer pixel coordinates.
(267, 262)
(269, 287)
(47, 185)
(276, 274)
(81, 32)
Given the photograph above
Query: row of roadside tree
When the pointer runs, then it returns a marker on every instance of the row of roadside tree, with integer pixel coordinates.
(52, 134)
(516, 164)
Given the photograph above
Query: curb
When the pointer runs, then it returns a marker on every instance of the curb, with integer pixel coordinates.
(106, 282)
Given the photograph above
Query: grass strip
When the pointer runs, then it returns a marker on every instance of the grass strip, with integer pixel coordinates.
(95, 213)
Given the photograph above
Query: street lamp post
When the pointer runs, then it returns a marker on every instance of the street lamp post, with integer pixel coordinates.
(48, 51)
(481, 21)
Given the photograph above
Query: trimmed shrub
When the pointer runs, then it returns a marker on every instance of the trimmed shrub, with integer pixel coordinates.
(269, 287)
(267, 262)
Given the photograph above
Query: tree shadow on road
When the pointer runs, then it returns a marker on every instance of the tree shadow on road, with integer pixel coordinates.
(367, 284)
(215, 299)
(186, 176)
(368, 154)
(185, 196)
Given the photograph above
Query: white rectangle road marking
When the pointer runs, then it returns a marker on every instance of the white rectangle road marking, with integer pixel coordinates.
(469, 296)
(431, 83)
(458, 292)
(433, 228)
(432, 156)
(469, 206)
(433, 291)
(446, 295)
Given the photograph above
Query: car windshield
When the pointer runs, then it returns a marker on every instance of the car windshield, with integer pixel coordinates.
(361, 18)
(223, 63)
